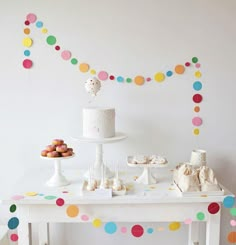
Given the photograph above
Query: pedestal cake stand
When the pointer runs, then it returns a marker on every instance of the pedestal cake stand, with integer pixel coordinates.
(99, 165)
(58, 179)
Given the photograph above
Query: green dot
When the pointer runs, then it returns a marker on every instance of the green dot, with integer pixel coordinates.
(200, 216)
(233, 211)
(51, 40)
(50, 197)
(74, 61)
(13, 208)
(128, 80)
(194, 59)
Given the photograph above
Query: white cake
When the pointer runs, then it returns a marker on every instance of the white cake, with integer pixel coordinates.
(98, 122)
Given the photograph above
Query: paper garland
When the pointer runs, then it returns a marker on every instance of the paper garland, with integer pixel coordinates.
(136, 230)
(139, 80)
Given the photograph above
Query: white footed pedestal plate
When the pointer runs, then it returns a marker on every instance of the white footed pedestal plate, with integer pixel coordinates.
(58, 179)
(99, 165)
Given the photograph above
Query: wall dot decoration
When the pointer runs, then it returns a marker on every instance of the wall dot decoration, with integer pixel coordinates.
(137, 230)
(129, 80)
(93, 72)
(27, 64)
(213, 208)
(197, 98)
(174, 226)
(84, 67)
(111, 77)
(229, 202)
(139, 80)
(51, 40)
(44, 30)
(97, 223)
(187, 64)
(66, 55)
(27, 42)
(196, 131)
(27, 31)
(232, 237)
(60, 202)
(179, 69)
(13, 223)
(159, 77)
(110, 228)
(197, 86)
(198, 74)
(72, 211)
(74, 61)
(197, 121)
(120, 79)
(200, 216)
(194, 59)
(233, 211)
(14, 237)
(27, 53)
(197, 109)
(169, 73)
(103, 75)
(39, 24)
(31, 17)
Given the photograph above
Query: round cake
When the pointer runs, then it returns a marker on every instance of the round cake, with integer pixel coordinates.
(98, 122)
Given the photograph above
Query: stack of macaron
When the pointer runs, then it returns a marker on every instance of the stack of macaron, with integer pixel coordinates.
(58, 148)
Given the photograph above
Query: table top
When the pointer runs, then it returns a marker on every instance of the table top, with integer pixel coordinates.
(32, 189)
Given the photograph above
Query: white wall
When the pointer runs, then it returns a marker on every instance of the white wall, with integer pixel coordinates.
(125, 38)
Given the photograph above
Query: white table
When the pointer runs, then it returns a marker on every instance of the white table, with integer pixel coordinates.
(156, 203)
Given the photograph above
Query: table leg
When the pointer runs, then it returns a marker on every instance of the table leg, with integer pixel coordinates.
(213, 230)
(43, 231)
(24, 233)
(193, 237)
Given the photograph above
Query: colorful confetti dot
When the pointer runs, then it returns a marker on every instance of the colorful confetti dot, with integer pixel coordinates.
(198, 65)
(137, 230)
(51, 40)
(169, 73)
(159, 77)
(120, 79)
(57, 48)
(27, 42)
(50, 197)
(188, 221)
(232, 237)
(74, 61)
(129, 80)
(233, 211)
(103, 75)
(148, 79)
(200, 216)
(27, 23)
(84, 217)
(17, 197)
(197, 86)
(174, 226)
(196, 108)
(14, 237)
(197, 121)
(66, 55)
(60, 202)
(196, 131)
(194, 59)
(197, 98)
(111, 77)
(12, 208)
(39, 24)
(123, 229)
(31, 17)
(44, 30)
(187, 64)
(150, 230)
(198, 74)
(13, 223)
(93, 72)
(179, 69)
(213, 208)
(27, 31)
(31, 193)
(139, 80)
(27, 52)
(97, 223)
(84, 67)
(72, 211)
(110, 227)
(228, 202)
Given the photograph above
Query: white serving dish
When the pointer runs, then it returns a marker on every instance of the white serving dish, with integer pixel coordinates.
(130, 162)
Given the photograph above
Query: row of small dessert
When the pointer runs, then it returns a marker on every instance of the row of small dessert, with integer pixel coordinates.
(57, 148)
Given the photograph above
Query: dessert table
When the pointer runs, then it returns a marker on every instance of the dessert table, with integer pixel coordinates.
(161, 202)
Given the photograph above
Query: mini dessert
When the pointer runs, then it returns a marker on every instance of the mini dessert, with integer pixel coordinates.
(58, 142)
(58, 148)
(117, 186)
(141, 159)
(104, 184)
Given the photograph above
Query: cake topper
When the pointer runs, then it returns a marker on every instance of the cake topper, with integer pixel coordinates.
(92, 86)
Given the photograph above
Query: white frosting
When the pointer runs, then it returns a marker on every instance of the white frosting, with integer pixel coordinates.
(98, 122)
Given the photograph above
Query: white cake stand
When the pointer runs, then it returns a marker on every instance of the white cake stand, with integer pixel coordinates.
(99, 165)
(58, 179)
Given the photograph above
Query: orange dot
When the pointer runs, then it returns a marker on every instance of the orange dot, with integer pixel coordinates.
(179, 69)
(196, 108)
(232, 237)
(84, 67)
(139, 80)
(72, 211)
(27, 31)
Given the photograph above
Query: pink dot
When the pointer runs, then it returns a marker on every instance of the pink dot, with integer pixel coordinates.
(188, 221)
(66, 55)
(233, 222)
(27, 63)
(198, 65)
(148, 79)
(103, 75)
(14, 237)
(31, 18)
(17, 197)
(60, 202)
(123, 229)
(85, 217)
(197, 121)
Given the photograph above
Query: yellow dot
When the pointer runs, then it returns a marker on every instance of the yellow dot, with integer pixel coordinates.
(179, 69)
(174, 226)
(93, 72)
(72, 211)
(139, 80)
(27, 42)
(27, 31)
(97, 223)
(31, 193)
(44, 30)
(84, 67)
(198, 74)
(159, 77)
(196, 131)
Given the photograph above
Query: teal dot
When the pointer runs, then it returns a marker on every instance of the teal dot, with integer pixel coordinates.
(13, 223)
(169, 73)
(27, 53)
(13, 208)
(51, 40)
(228, 202)
(197, 86)
(110, 227)
(200, 216)
(74, 61)
(194, 59)
(50, 197)
(233, 211)
(120, 79)
(39, 24)
(150, 230)
(129, 80)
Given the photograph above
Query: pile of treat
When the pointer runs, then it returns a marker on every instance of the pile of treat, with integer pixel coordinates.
(58, 148)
